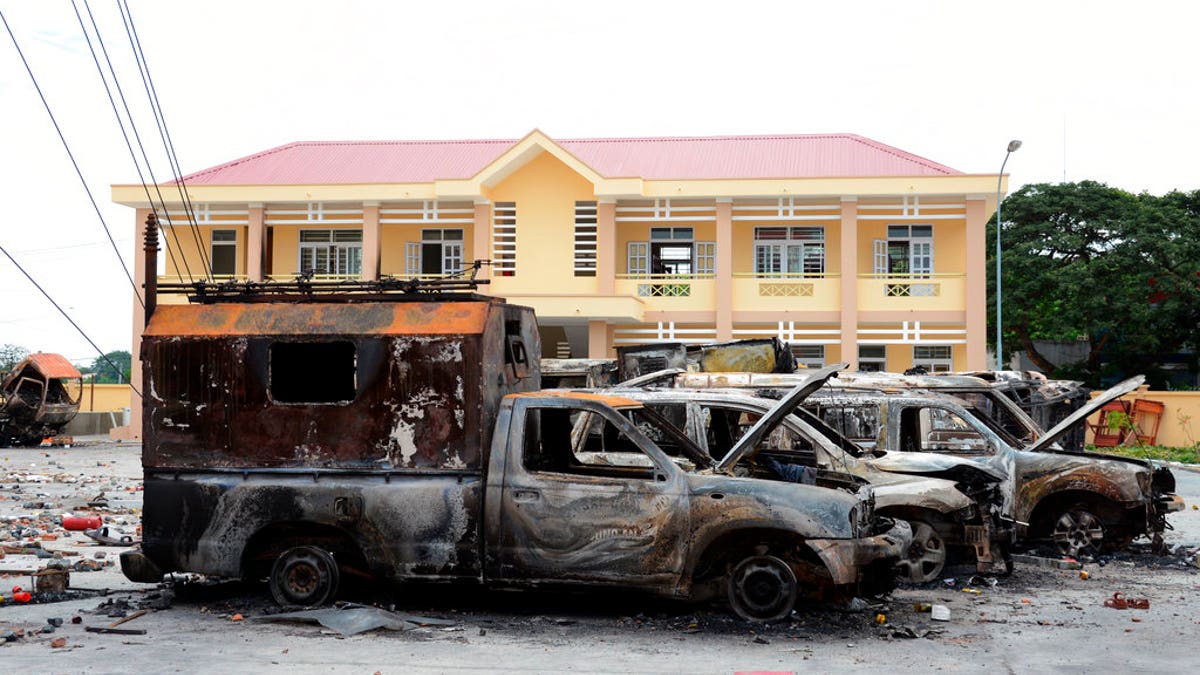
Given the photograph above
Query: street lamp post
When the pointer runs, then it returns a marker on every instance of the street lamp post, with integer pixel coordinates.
(1013, 146)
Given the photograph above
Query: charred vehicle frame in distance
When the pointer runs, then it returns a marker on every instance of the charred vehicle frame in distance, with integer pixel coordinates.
(38, 399)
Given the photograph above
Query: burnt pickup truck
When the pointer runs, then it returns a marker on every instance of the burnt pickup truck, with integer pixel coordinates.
(401, 437)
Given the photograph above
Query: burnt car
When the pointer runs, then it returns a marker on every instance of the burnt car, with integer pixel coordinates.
(38, 399)
(1081, 502)
(957, 517)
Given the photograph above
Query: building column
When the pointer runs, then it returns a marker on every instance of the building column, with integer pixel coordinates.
(133, 432)
(849, 281)
(256, 234)
(724, 269)
(597, 339)
(481, 237)
(606, 249)
(976, 282)
(371, 235)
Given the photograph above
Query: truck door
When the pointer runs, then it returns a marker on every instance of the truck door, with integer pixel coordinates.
(589, 498)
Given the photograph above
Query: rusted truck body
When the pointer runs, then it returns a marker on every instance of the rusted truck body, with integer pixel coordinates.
(299, 439)
(947, 516)
(38, 399)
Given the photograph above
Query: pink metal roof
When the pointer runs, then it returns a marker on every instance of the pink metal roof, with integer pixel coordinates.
(801, 156)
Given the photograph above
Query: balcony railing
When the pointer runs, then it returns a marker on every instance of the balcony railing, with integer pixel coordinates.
(943, 291)
(786, 291)
(670, 291)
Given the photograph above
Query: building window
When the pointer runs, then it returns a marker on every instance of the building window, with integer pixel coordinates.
(933, 358)
(504, 239)
(809, 356)
(585, 239)
(439, 252)
(789, 251)
(336, 252)
(908, 251)
(671, 252)
(872, 358)
(224, 252)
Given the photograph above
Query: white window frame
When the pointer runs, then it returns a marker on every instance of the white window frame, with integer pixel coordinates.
(214, 245)
(342, 250)
(504, 239)
(701, 261)
(919, 247)
(451, 253)
(586, 238)
(934, 358)
(880, 361)
(789, 255)
(809, 356)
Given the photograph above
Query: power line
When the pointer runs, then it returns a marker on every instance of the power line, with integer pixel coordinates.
(66, 316)
(67, 147)
(160, 117)
(133, 127)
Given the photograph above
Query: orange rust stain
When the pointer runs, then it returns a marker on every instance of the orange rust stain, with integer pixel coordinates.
(609, 400)
(368, 318)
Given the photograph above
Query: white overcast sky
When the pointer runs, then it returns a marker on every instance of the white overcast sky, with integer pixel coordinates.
(1096, 90)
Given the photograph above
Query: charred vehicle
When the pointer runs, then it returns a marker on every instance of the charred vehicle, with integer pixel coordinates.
(1081, 502)
(959, 517)
(38, 399)
(392, 433)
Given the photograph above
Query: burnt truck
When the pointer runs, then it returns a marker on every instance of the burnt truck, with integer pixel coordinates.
(38, 399)
(389, 433)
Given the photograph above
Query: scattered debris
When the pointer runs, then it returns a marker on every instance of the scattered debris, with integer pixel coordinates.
(939, 613)
(1119, 601)
(1064, 563)
(58, 642)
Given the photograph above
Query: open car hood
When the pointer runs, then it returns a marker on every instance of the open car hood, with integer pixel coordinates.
(1077, 417)
(773, 417)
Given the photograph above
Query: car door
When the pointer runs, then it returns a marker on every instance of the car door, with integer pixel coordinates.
(587, 497)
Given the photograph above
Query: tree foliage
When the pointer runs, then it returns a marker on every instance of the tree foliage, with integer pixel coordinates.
(1084, 261)
(105, 373)
(10, 356)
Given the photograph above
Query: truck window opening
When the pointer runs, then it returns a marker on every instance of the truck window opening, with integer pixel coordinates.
(313, 372)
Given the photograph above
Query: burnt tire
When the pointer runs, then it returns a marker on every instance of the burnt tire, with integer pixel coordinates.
(304, 576)
(762, 588)
(1080, 530)
(926, 556)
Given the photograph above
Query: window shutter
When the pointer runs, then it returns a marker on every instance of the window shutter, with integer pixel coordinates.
(638, 259)
(880, 258)
(412, 258)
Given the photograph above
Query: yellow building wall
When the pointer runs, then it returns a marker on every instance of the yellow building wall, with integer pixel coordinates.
(183, 256)
(104, 398)
(545, 191)
(1179, 426)
(949, 243)
(285, 250)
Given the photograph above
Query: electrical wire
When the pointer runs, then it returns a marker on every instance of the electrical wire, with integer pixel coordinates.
(135, 43)
(66, 316)
(133, 126)
(46, 104)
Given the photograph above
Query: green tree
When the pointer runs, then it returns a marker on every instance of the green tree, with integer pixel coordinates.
(105, 373)
(10, 356)
(1085, 261)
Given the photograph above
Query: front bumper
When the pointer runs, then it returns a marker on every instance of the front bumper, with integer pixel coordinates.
(1170, 503)
(848, 559)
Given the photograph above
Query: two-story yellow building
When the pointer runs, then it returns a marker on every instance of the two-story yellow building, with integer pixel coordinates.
(848, 249)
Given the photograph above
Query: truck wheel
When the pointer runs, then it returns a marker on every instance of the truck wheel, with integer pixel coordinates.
(926, 556)
(305, 575)
(1078, 531)
(762, 588)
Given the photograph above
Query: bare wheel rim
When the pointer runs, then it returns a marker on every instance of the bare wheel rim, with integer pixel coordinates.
(926, 556)
(305, 576)
(762, 588)
(1078, 531)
